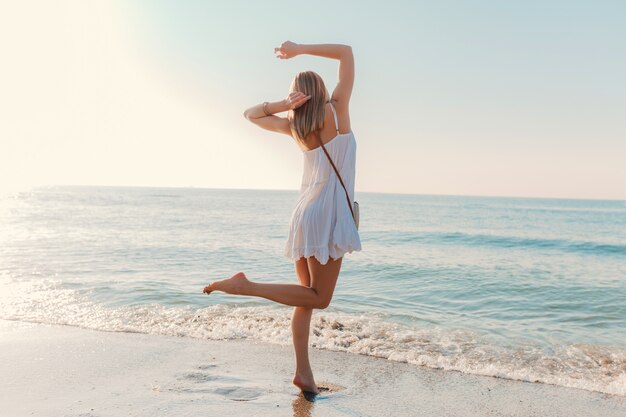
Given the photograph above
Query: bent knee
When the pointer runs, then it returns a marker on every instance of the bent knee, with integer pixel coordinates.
(322, 303)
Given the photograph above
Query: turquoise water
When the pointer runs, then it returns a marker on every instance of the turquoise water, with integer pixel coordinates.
(520, 288)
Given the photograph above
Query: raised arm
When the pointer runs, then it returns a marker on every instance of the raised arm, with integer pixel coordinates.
(343, 53)
(263, 114)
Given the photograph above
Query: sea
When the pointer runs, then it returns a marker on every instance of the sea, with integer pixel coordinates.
(528, 289)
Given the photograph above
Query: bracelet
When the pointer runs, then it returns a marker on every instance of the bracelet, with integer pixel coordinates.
(264, 109)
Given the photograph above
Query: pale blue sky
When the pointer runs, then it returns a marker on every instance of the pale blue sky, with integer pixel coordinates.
(451, 97)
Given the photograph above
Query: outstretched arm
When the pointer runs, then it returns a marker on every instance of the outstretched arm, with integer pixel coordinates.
(343, 53)
(264, 117)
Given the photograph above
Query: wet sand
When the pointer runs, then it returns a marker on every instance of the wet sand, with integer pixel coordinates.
(52, 370)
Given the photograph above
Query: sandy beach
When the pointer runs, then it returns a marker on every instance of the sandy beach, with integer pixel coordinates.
(53, 370)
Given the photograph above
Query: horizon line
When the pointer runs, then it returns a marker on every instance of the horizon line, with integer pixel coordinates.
(356, 191)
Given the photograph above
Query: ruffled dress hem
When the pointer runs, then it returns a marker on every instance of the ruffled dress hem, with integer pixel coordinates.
(321, 253)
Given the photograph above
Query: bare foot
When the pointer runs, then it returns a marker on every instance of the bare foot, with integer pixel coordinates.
(306, 384)
(236, 284)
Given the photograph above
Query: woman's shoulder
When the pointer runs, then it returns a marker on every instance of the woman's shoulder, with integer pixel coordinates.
(342, 110)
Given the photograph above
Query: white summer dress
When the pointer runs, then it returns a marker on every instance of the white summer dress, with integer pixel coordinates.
(321, 223)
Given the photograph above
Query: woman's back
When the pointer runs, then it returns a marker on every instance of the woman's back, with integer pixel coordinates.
(333, 116)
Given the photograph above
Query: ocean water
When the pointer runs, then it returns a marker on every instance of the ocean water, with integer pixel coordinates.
(518, 288)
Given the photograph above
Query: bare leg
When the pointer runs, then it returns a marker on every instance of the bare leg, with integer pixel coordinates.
(300, 330)
(318, 295)
(322, 279)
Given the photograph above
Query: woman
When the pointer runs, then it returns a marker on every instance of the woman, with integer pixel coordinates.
(322, 228)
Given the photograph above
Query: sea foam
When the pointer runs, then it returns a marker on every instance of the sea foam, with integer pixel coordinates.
(583, 366)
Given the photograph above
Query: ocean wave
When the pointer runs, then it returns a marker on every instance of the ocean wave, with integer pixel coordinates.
(476, 239)
(583, 366)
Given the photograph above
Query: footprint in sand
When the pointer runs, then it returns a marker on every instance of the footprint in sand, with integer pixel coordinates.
(201, 380)
(328, 388)
(198, 377)
(238, 393)
(201, 375)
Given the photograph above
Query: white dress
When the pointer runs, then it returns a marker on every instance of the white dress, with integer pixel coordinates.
(321, 223)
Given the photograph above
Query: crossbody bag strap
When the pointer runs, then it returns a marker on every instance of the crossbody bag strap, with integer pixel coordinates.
(337, 172)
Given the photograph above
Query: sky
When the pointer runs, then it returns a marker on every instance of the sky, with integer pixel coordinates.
(450, 97)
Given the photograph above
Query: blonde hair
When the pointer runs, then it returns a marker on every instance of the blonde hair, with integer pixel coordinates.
(310, 116)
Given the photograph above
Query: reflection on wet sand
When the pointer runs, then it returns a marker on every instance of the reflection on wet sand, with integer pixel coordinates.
(302, 407)
(305, 401)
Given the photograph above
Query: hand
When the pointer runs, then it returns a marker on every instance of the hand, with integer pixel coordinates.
(286, 50)
(296, 99)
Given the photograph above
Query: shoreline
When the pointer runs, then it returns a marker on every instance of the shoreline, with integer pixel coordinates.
(54, 370)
